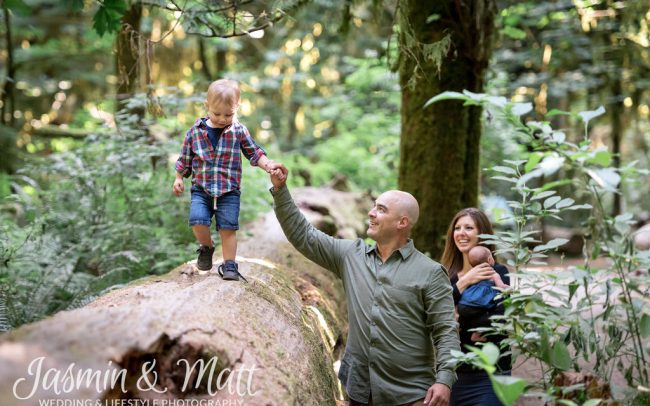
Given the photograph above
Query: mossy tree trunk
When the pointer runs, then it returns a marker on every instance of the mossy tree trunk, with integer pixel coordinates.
(128, 54)
(444, 45)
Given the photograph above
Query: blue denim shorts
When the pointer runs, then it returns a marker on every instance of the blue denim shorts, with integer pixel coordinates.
(202, 209)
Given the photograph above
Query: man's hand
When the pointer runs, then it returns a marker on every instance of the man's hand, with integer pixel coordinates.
(178, 187)
(437, 395)
(279, 176)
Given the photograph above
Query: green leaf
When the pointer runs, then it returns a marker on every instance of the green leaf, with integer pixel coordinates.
(554, 243)
(556, 112)
(564, 203)
(586, 116)
(558, 136)
(519, 109)
(548, 203)
(108, 17)
(512, 180)
(551, 164)
(644, 325)
(533, 160)
(446, 96)
(544, 194)
(595, 251)
(560, 357)
(581, 206)
(491, 353)
(592, 402)
(508, 388)
(573, 287)
(432, 18)
(607, 178)
(504, 169)
(602, 158)
(18, 6)
(514, 33)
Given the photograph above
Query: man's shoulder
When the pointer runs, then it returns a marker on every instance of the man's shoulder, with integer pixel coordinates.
(428, 264)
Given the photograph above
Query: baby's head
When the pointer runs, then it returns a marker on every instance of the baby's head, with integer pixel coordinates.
(222, 101)
(480, 254)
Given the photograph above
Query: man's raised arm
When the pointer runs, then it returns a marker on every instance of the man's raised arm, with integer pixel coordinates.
(317, 246)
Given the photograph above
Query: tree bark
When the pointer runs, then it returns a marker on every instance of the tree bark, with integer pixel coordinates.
(8, 94)
(288, 322)
(618, 128)
(128, 55)
(440, 145)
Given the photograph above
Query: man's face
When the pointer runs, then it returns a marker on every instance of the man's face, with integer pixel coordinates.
(383, 218)
(220, 114)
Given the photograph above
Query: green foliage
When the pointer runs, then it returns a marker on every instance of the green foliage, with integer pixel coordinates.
(366, 116)
(507, 388)
(108, 18)
(17, 6)
(565, 319)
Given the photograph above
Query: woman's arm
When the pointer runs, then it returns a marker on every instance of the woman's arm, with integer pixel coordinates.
(479, 273)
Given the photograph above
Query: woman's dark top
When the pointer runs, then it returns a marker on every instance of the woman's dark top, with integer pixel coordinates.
(482, 319)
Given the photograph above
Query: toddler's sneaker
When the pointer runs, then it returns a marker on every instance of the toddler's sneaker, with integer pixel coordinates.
(229, 271)
(204, 261)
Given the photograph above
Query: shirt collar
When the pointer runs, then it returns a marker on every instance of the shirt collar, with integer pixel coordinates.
(203, 123)
(405, 251)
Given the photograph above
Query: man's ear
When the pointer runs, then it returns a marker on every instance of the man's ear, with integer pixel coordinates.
(403, 222)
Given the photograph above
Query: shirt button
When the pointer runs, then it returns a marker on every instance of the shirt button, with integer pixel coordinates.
(374, 304)
(379, 283)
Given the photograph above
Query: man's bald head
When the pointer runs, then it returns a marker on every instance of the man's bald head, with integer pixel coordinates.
(405, 204)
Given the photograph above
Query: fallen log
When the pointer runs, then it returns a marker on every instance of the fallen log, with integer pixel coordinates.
(196, 339)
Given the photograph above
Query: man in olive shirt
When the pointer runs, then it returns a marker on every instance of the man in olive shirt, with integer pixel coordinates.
(399, 301)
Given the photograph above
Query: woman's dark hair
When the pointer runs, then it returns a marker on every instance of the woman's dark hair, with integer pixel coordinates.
(452, 258)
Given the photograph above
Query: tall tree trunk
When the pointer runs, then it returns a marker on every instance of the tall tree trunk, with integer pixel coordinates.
(205, 67)
(440, 145)
(618, 111)
(128, 52)
(8, 95)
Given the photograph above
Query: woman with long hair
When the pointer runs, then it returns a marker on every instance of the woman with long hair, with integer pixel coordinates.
(473, 387)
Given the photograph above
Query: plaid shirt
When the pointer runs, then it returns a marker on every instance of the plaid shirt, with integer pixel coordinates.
(217, 172)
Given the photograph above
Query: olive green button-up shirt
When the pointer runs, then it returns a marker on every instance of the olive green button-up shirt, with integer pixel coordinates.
(401, 312)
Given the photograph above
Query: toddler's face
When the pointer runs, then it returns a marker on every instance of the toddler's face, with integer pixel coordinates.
(220, 114)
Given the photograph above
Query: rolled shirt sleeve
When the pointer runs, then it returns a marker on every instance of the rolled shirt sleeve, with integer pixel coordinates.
(249, 147)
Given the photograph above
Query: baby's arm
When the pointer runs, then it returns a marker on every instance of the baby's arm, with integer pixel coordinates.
(498, 282)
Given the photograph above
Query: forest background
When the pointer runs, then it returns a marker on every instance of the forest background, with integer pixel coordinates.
(97, 96)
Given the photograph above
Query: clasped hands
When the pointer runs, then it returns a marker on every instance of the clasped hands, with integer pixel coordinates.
(278, 174)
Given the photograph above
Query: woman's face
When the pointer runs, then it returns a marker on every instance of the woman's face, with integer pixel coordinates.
(465, 234)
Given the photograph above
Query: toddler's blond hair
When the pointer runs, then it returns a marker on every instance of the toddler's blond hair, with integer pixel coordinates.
(224, 91)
